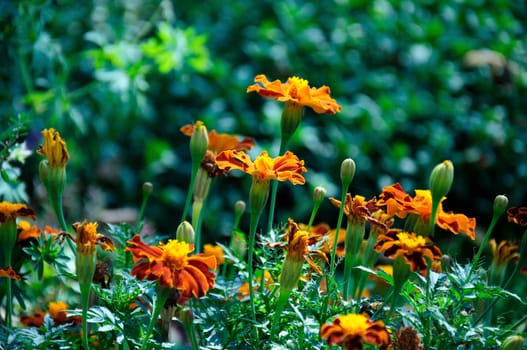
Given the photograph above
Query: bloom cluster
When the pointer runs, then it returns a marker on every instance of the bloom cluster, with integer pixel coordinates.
(355, 281)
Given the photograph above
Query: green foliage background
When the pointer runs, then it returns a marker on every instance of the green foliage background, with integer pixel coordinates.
(419, 82)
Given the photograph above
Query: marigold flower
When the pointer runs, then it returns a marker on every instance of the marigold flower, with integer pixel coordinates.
(33, 321)
(399, 203)
(517, 215)
(357, 209)
(268, 281)
(27, 231)
(8, 272)
(407, 338)
(57, 310)
(216, 251)
(218, 143)
(15, 210)
(264, 168)
(171, 265)
(353, 330)
(296, 90)
(54, 148)
(504, 252)
(87, 238)
(414, 248)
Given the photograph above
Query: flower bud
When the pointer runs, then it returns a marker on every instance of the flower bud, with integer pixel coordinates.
(319, 193)
(201, 185)
(199, 141)
(347, 171)
(441, 179)
(185, 233)
(239, 207)
(148, 188)
(513, 342)
(501, 203)
(238, 244)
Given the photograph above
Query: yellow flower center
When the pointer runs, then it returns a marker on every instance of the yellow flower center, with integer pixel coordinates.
(175, 254)
(296, 84)
(354, 324)
(411, 241)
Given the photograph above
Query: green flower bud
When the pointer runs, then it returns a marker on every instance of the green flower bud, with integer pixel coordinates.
(199, 141)
(185, 233)
(501, 203)
(201, 185)
(347, 171)
(148, 188)
(239, 207)
(319, 193)
(513, 342)
(441, 179)
(238, 244)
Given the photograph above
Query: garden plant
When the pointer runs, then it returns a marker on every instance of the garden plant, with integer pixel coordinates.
(263, 175)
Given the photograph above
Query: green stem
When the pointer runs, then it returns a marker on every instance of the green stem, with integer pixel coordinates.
(354, 235)
(337, 232)
(9, 303)
(189, 328)
(280, 305)
(56, 203)
(85, 300)
(196, 223)
(316, 206)
(162, 296)
(255, 218)
(483, 245)
(195, 168)
(274, 188)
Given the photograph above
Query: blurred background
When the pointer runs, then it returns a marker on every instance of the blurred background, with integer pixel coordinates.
(419, 81)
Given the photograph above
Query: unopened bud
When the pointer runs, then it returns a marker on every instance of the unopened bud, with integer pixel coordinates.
(347, 171)
(513, 342)
(501, 203)
(238, 244)
(148, 188)
(441, 179)
(199, 141)
(319, 193)
(185, 233)
(239, 207)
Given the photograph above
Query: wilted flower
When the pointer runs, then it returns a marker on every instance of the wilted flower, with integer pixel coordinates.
(353, 330)
(517, 215)
(54, 148)
(171, 265)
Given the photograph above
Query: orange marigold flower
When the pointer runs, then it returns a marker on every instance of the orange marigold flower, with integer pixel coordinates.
(27, 231)
(399, 203)
(296, 90)
(357, 209)
(15, 210)
(517, 215)
(57, 310)
(243, 291)
(264, 168)
(353, 330)
(218, 143)
(414, 248)
(87, 238)
(54, 148)
(216, 251)
(171, 265)
(8, 272)
(504, 252)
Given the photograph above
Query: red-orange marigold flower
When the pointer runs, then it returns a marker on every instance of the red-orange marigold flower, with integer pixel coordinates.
(8, 272)
(27, 231)
(296, 90)
(517, 215)
(353, 330)
(264, 168)
(414, 248)
(171, 265)
(399, 203)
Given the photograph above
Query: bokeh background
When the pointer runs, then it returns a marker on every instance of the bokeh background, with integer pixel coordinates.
(419, 82)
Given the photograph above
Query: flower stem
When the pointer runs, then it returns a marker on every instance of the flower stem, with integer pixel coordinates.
(274, 188)
(195, 168)
(189, 328)
(162, 296)
(85, 299)
(255, 217)
(483, 245)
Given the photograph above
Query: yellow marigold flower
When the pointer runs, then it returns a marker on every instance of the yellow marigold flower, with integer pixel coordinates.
(517, 215)
(15, 210)
(413, 248)
(88, 238)
(504, 252)
(353, 330)
(57, 310)
(54, 148)
(8, 272)
(171, 265)
(399, 203)
(296, 90)
(264, 168)
(214, 250)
